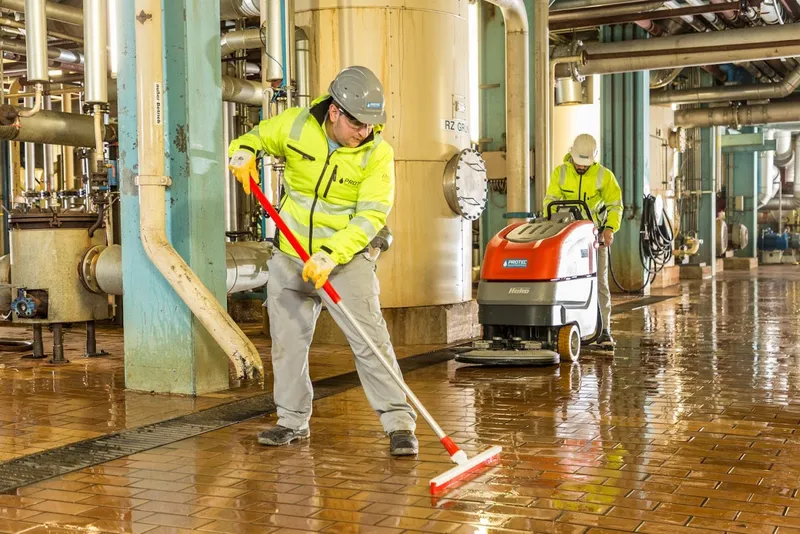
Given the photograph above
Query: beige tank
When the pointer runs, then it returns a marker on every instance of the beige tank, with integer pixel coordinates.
(418, 48)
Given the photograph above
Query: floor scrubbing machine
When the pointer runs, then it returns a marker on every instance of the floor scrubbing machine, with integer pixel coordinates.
(537, 297)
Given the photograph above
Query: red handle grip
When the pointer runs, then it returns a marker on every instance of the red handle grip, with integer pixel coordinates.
(289, 235)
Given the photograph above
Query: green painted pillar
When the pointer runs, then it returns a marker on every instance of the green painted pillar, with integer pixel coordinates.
(166, 348)
(707, 206)
(745, 184)
(625, 149)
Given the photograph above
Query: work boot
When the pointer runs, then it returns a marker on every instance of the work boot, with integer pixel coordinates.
(403, 443)
(605, 341)
(280, 435)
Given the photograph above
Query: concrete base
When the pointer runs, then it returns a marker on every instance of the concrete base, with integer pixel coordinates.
(669, 276)
(741, 264)
(695, 272)
(720, 264)
(427, 325)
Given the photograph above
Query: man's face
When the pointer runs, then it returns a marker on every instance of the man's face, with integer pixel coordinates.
(581, 168)
(347, 131)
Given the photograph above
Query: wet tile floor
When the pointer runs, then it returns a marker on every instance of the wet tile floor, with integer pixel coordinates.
(689, 428)
(43, 406)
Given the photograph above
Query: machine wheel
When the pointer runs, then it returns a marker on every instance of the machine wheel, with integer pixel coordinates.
(569, 342)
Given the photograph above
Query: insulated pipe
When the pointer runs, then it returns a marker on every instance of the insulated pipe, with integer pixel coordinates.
(245, 263)
(152, 185)
(789, 202)
(273, 40)
(688, 50)
(783, 147)
(11, 23)
(59, 12)
(232, 187)
(95, 31)
(240, 40)
(237, 9)
(769, 172)
(56, 128)
(772, 12)
(559, 16)
(62, 55)
(735, 117)
(241, 91)
(565, 5)
(730, 92)
(302, 62)
(518, 105)
(36, 41)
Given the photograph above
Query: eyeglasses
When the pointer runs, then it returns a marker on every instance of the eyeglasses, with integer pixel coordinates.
(355, 123)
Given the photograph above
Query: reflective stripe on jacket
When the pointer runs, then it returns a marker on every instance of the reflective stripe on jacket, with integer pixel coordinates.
(598, 187)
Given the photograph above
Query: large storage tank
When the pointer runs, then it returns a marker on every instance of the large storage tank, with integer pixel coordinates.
(418, 48)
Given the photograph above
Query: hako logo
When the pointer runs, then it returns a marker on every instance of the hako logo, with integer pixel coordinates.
(515, 264)
(519, 290)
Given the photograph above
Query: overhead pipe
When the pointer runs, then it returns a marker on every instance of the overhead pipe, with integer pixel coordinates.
(56, 128)
(52, 10)
(240, 40)
(557, 15)
(11, 23)
(738, 116)
(518, 105)
(152, 185)
(772, 12)
(688, 50)
(713, 19)
(241, 91)
(622, 14)
(566, 5)
(62, 55)
(730, 92)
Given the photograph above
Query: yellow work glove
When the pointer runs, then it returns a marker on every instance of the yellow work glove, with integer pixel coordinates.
(317, 268)
(243, 165)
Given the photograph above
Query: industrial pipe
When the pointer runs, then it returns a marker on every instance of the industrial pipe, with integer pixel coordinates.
(688, 50)
(624, 14)
(759, 91)
(237, 9)
(769, 173)
(240, 40)
(518, 105)
(273, 39)
(152, 185)
(69, 152)
(56, 128)
(62, 55)
(36, 41)
(558, 16)
(302, 62)
(95, 31)
(738, 116)
(11, 23)
(59, 12)
(241, 91)
(100, 268)
(566, 5)
(789, 202)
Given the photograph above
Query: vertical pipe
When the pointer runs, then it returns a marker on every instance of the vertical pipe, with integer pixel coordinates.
(541, 139)
(302, 58)
(273, 39)
(287, 48)
(38, 342)
(152, 185)
(268, 226)
(231, 185)
(69, 152)
(36, 41)
(30, 162)
(48, 152)
(95, 31)
(58, 344)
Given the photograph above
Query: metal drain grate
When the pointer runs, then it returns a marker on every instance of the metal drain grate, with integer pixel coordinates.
(56, 462)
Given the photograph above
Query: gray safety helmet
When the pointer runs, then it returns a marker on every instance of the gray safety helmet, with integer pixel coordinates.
(360, 93)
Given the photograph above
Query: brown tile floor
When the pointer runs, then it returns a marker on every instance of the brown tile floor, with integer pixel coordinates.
(44, 406)
(690, 428)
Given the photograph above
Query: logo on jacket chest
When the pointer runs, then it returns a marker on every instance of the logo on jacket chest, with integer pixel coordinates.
(348, 181)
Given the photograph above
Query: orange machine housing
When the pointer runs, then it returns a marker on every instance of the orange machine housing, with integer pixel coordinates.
(548, 259)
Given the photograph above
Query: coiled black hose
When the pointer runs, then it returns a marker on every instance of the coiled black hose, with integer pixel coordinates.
(655, 244)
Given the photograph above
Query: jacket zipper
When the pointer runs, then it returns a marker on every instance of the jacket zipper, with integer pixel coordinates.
(330, 181)
(309, 157)
(314, 204)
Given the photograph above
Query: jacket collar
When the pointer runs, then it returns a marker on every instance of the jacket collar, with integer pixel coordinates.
(319, 110)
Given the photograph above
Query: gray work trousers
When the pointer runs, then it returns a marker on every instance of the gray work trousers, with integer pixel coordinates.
(294, 307)
(603, 289)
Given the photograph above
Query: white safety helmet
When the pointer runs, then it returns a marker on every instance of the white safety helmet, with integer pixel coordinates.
(583, 150)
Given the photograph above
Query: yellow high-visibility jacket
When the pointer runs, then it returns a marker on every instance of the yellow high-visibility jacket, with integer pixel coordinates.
(598, 187)
(334, 202)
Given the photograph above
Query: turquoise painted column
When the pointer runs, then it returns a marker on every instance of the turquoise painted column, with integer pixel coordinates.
(745, 184)
(166, 348)
(707, 209)
(625, 149)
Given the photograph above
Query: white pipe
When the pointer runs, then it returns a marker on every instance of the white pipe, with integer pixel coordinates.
(266, 94)
(36, 40)
(240, 40)
(783, 147)
(95, 32)
(302, 62)
(62, 13)
(518, 104)
(273, 39)
(238, 9)
(769, 172)
(772, 12)
(152, 185)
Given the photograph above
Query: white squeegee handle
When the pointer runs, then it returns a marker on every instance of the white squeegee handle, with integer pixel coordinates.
(337, 300)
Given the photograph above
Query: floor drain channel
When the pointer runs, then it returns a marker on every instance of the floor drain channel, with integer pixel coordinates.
(57, 462)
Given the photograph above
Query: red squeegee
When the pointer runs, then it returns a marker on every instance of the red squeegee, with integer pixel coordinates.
(464, 465)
